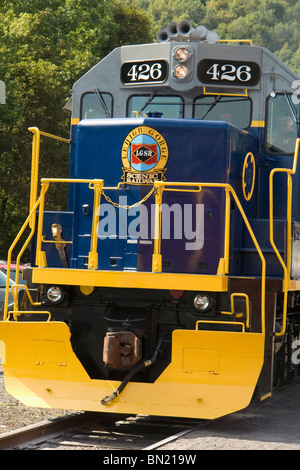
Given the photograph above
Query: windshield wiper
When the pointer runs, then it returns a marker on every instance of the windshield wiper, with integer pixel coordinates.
(150, 98)
(217, 99)
(101, 99)
(292, 107)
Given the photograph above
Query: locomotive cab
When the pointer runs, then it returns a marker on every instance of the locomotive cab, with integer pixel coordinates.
(163, 289)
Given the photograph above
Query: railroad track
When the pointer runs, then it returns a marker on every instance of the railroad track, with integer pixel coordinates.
(97, 431)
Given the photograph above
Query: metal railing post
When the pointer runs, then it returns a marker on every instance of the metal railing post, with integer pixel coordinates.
(286, 266)
(157, 257)
(93, 254)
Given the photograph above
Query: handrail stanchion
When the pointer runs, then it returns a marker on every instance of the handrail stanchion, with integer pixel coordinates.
(157, 257)
(36, 140)
(40, 259)
(21, 231)
(93, 254)
(285, 266)
(227, 231)
(34, 167)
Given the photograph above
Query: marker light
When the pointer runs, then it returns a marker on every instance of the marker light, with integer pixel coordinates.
(182, 55)
(181, 71)
(202, 302)
(55, 294)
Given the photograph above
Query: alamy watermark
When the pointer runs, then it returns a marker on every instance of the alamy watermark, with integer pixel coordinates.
(296, 354)
(178, 222)
(2, 92)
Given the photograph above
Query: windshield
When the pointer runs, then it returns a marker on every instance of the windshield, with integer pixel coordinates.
(235, 110)
(3, 279)
(96, 105)
(155, 106)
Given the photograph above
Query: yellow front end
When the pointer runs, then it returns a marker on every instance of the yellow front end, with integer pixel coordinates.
(211, 374)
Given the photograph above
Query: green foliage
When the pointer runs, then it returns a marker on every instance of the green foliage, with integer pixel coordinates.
(45, 46)
(161, 12)
(270, 23)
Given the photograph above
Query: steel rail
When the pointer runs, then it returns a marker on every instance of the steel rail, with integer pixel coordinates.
(42, 431)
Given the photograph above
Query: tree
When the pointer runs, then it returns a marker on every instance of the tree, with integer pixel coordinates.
(162, 12)
(46, 45)
(269, 23)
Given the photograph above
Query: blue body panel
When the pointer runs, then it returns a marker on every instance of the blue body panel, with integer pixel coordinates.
(198, 151)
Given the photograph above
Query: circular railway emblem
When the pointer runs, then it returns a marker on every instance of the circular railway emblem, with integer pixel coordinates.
(248, 178)
(144, 156)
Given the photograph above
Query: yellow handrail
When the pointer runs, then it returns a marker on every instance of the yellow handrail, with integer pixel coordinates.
(171, 186)
(94, 184)
(236, 40)
(285, 266)
(218, 93)
(239, 294)
(31, 222)
(38, 260)
(18, 313)
(97, 185)
(30, 217)
(35, 162)
(15, 311)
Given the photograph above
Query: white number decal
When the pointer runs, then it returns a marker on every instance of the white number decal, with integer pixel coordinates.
(243, 71)
(132, 73)
(155, 71)
(145, 72)
(213, 70)
(230, 73)
(228, 69)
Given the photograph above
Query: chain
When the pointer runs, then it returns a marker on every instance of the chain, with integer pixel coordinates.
(126, 206)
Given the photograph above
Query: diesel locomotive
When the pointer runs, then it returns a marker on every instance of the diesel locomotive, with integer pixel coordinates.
(170, 285)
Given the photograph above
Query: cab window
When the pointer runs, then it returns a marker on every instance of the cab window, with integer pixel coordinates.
(155, 106)
(96, 105)
(282, 115)
(235, 110)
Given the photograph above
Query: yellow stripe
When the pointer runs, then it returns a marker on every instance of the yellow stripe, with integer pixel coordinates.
(264, 397)
(258, 124)
(133, 280)
(75, 121)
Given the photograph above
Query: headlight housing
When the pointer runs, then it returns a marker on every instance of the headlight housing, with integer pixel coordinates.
(202, 302)
(55, 294)
(182, 54)
(181, 72)
(182, 64)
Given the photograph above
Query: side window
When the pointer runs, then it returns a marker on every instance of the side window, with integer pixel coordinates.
(155, 105)
(281, 130)
(96, 105)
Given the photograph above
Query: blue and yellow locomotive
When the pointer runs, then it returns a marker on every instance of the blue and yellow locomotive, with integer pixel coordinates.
(170, 285)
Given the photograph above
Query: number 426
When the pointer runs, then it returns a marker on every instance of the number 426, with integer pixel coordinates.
(145, 72)
(229, 72)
